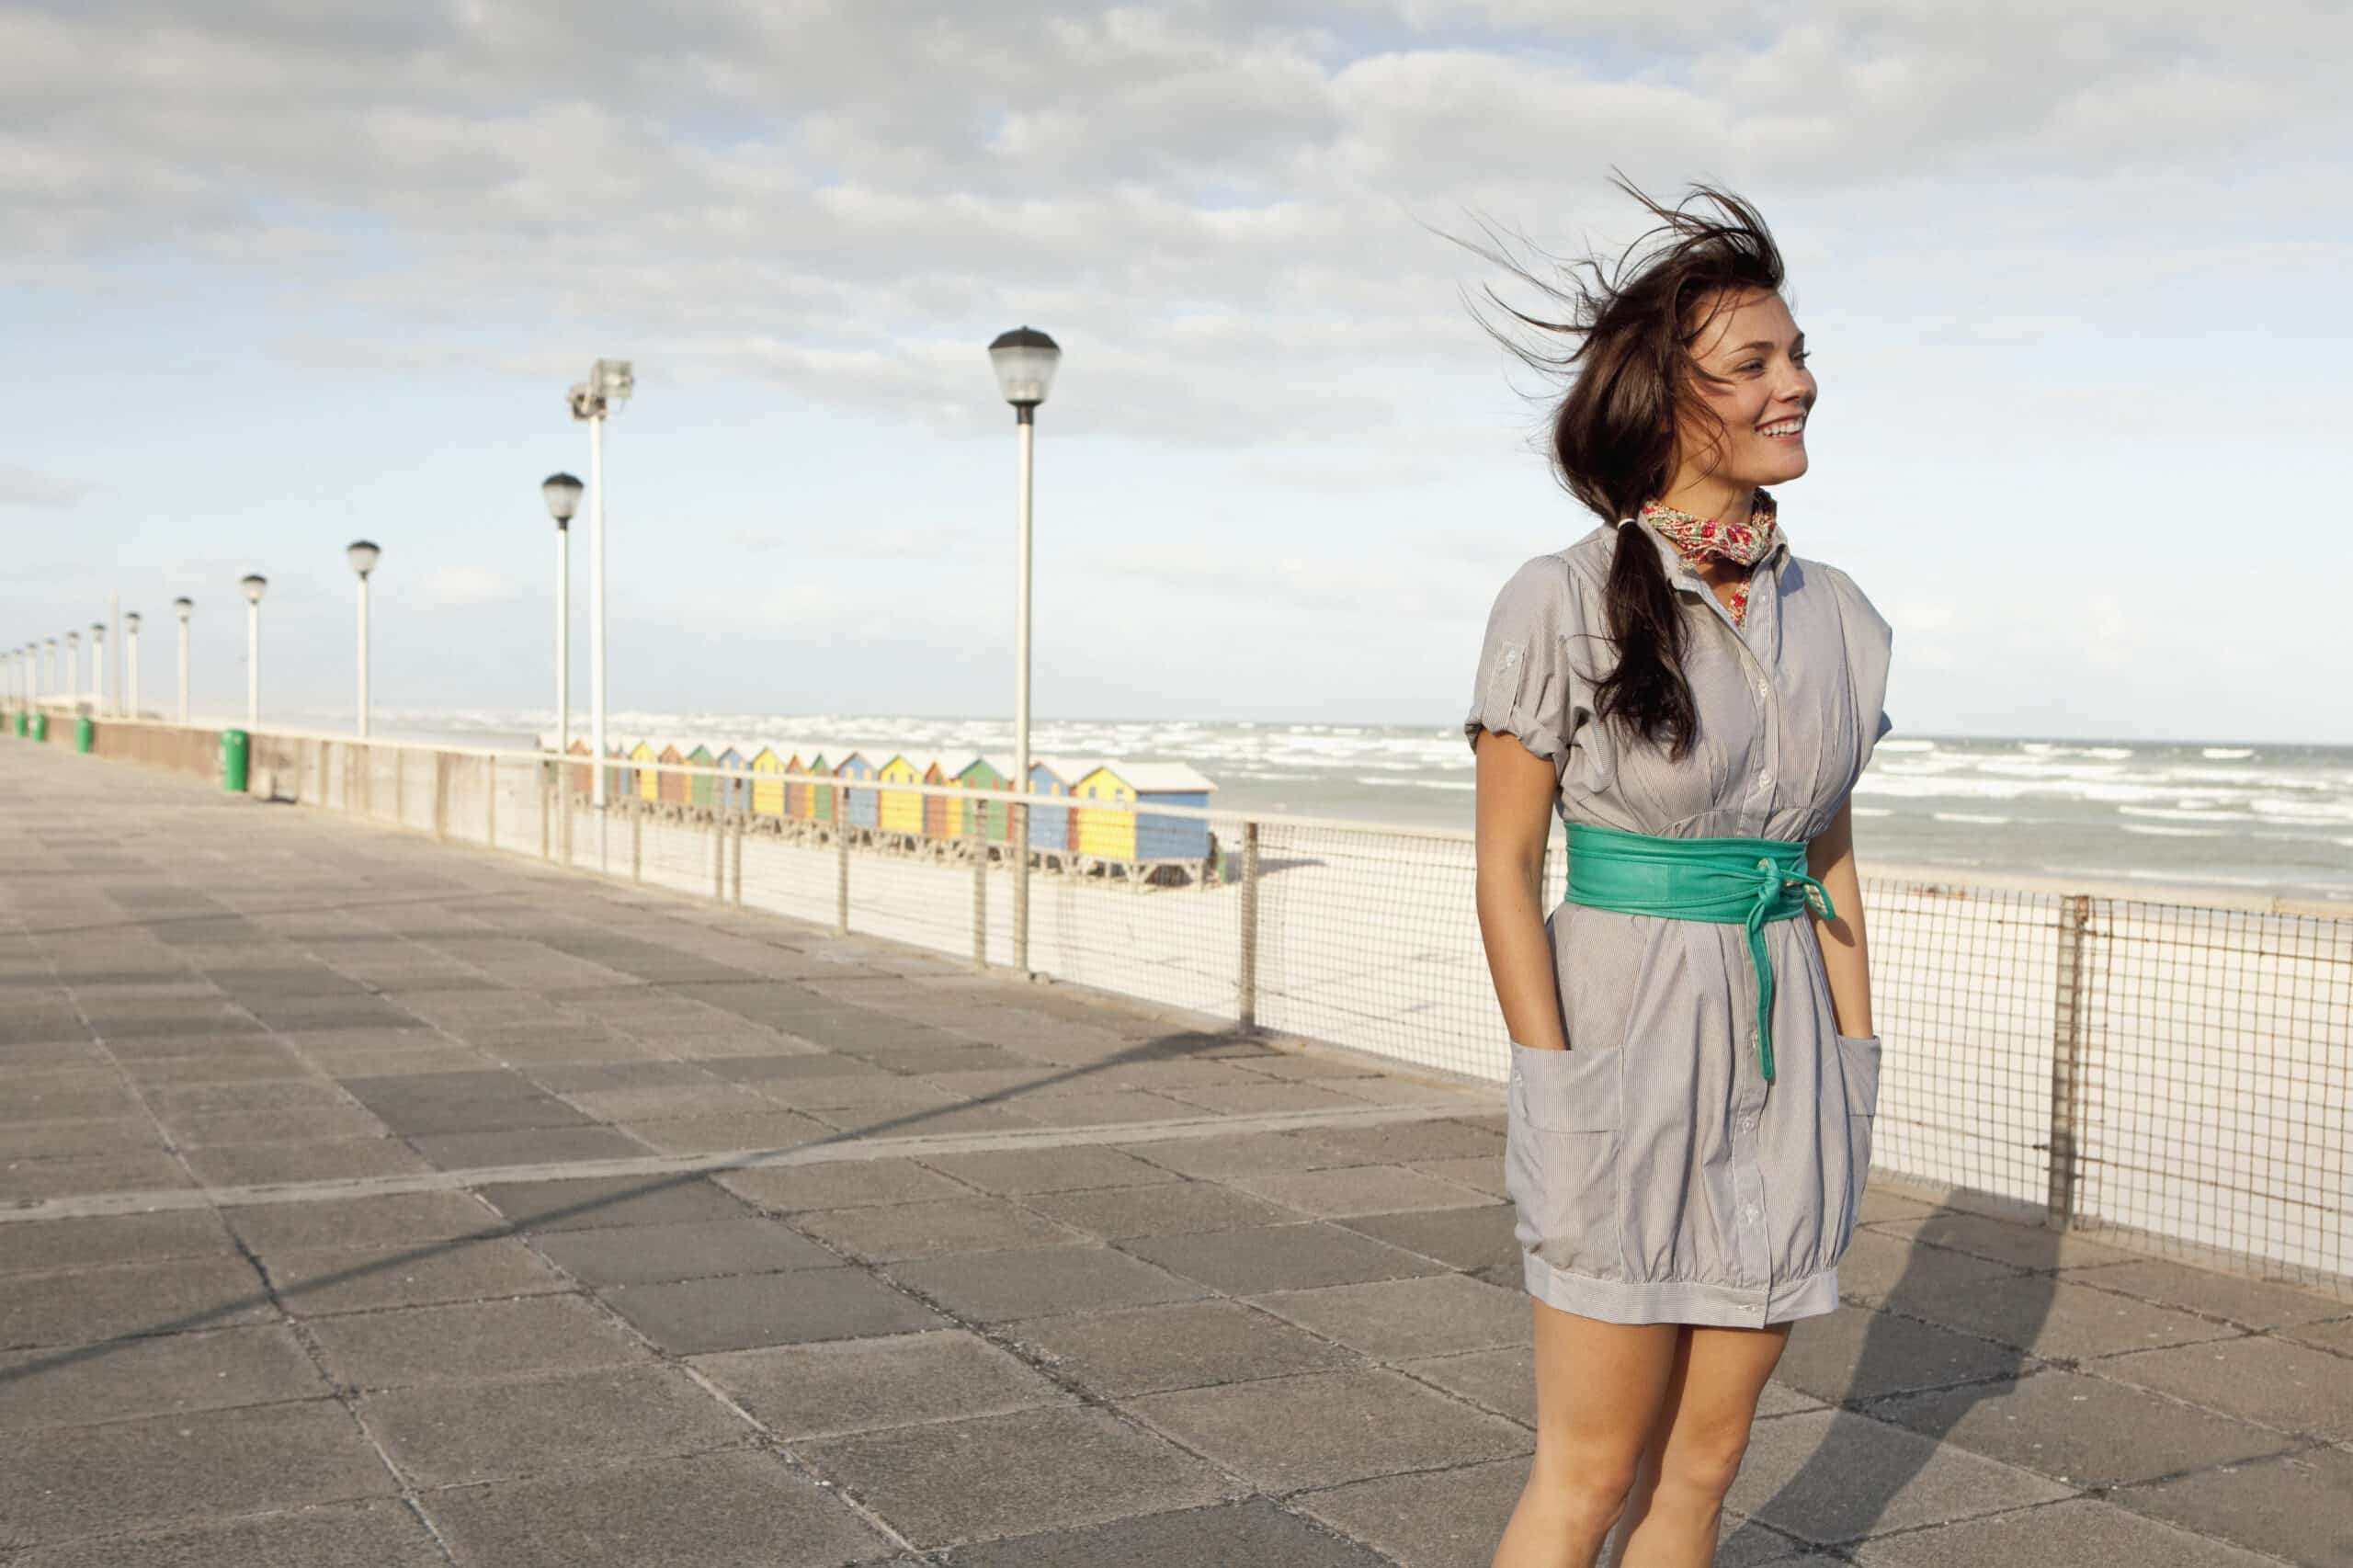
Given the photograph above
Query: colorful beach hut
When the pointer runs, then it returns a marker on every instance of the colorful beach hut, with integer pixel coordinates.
(901, 810)
(584, 775)
(860, 807)
(985, 773)
(733, 792)
(1050, 826)
(813, 802)
(1141, 834)
(702, 789)
(942, 815)
(671, 788)
(644, 783)
(767, 792)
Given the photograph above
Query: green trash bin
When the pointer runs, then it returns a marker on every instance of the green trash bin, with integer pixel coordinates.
(21, 725)
(236, 750)
(85, 733)
(41, 726)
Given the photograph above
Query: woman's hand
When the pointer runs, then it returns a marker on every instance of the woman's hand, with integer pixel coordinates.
(1830, 860)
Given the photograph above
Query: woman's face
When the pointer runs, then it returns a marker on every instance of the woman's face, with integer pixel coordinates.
(1763, 398)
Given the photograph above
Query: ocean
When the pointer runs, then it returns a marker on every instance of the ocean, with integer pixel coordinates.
(2244, 816)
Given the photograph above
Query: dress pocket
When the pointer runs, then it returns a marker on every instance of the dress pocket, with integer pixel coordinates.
(1560, 1157)
(1858, 1061)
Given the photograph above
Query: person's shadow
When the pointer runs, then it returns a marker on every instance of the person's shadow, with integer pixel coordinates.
(1970, 1296)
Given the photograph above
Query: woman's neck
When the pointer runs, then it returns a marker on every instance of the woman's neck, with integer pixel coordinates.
(1711, 498)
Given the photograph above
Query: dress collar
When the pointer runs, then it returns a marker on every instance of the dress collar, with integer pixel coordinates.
(1679, 571)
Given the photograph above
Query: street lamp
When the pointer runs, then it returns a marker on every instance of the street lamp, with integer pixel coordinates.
(184, 607)
(363, 557)
(73, 669)
(561, 493)
(130, 662)
(254, 584)
(1025, 360)
(98, 668)
(49, 674)
(598, 398)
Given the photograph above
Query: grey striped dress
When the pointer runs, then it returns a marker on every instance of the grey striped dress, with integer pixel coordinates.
(1656, 1177)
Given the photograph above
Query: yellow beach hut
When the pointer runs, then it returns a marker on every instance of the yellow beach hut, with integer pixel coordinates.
(767, 792)
(1137, 833)
(901, 810)
(647, 782)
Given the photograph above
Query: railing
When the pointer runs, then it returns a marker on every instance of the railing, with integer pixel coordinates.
(2172, 1073)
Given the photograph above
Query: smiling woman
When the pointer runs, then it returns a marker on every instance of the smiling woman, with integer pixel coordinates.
(1693, 1076)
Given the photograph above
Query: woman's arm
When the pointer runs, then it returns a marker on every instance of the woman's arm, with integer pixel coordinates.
(1830, 859)
(1515, 818)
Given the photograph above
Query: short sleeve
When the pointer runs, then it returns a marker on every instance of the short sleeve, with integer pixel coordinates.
(1870, 650)
(1525, 685)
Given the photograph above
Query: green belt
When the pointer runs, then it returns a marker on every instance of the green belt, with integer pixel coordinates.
(1729, 881)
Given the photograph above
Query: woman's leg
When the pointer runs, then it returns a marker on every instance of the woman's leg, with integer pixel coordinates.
(1599, 1394)
(1691, 1459)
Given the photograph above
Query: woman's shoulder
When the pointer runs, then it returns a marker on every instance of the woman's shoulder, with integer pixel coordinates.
(1854, 606)
(1577, 568)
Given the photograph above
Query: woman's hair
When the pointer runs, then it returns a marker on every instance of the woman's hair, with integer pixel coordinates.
(1624, 336)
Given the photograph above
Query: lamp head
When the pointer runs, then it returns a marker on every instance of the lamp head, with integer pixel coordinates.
(1025, 359)
(561, 493)
(253, 582)
(362, 556)
(612, 381)
(97, 632)
(131, 621)
(185, 607)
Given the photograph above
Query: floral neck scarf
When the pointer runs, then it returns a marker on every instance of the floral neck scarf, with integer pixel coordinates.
(1744, 544)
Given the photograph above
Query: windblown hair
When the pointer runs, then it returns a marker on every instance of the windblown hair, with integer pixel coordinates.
(1624, 336)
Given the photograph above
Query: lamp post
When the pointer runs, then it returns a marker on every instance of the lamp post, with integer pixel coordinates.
(561, 493)
(49, 675)
(362, 556)
(98, 668)
(254, 584)
(73, 669)
(184, 607)
(598, 398)
(1025, 360)
(131, 663)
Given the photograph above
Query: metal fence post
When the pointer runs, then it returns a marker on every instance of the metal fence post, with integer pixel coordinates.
(545, 849)
(636, 842)
(976, 830)
(1247, 966)
(2066, 1060)
(718, 858)
(490, 799)
(841, 876)
(441, 796)
(736, 855)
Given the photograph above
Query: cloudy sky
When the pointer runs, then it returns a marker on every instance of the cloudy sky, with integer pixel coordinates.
(298, 272)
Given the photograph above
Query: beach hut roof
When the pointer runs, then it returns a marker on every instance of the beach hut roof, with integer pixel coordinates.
(1160, 775)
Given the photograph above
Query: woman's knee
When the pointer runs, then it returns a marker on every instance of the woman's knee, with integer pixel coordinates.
(1703, 1464)
(1588, 1487)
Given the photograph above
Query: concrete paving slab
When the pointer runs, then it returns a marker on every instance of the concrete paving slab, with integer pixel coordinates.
(725, 1134)
(2336, 1335)
(1392, 1318)
(997, 1287)
(358, 1279)
(1248, 1097)
(912, 1122)
(1277, 1257)
(1029, 1472)
(2292, 1387)
(138, 1170)
(310, 1124)
(1111, 1107)
(386, 1221)
(861, 1385)
(1151, 1349)
(154, 1377)
(55, 1139)
(166, 1470)
(1856, 1354)
(722, 1510)
(1467, 1238)
(2055, 1319)
(1162, 1209)
(1015, 1172)
(381, 1533)
(572, 1078)
(1356, 1189)
(1404, 1143)
(2085, 1431)
(1450, 1518)
(1324, 1428)
(474, 1342)
(2293, 1508)
(878, 1091)
(1829, 1476)
(170, 1297)
(611, 1200)
(1253, 1533)
(662, 1102)
(2021, 1246)
(923, 1230)
(1501, 1380)
(265, 1165)
(264, 1059)
(2077, 1531)
(795, 1188)
(449, 1435)
(653, 1254)
(526, 1146)
(2250, 1304)
(1225, 1157)
(1878, 1270)
(694, 1317)
(126, 1238)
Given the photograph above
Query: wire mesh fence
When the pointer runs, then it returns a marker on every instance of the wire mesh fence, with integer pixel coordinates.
(2175, 1076)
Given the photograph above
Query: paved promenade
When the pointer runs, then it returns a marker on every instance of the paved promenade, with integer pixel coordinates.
(381, 1203)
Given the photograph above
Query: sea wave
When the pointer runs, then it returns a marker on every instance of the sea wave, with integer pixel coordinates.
(1971, 816)
(2162, 832)
(2227, 754)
